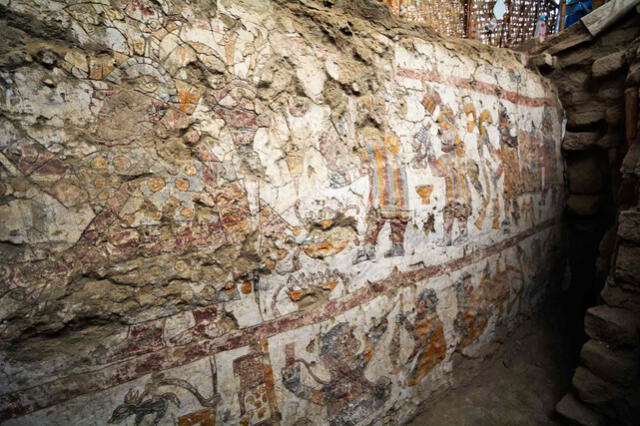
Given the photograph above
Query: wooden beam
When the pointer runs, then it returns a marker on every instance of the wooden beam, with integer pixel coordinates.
(469, 21)
(563, 12)
(601, 18)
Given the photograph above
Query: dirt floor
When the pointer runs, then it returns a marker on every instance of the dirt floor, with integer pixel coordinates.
(520, 384)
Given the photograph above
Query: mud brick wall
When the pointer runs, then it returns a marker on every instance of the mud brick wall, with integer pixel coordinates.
(260, 212)
(598, 79)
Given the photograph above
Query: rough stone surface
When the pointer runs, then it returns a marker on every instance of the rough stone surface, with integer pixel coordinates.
(577, 141)
(584, 175)
(611, 91)
(585, 115)
(633, 76)
(617, 296)
(627, 269)
(583, 205)
(629, 226)
(608, 64)
(593, 389)
(573, 410)
(260, 212)
(593, 81)
(543, 61)
(614, 115)
(615, 365)
(617, 327)
(631, 162)
(578, 57)
(610, 140)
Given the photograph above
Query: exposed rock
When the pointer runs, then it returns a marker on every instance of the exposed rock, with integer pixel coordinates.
(617, 296)
(576, 57)
(593, 389)
(611, 91)
(610, 140)
(584, 175)
(627, 269)
(576, 141)
(614, 365)
(42, 219)
(585, 115)
(629, 225)
(631, 162)
(608, 64)
(633, 76)
(574, 82)
(544, 62)
(614, 115)
(605, 251)
(622, 35)
(573, 410)
(583, 205)
(618, 327)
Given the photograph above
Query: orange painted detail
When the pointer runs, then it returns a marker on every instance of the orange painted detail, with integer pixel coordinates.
(246, 287)
(121, 163)
(206, 417)
(155, 184)
(433, 354)
(188, 97)
(182, 184)
(330, 285)
(324, 249)
(380, 166)
(425, 193)
(326, 224)
(99, 163)
(296, 295)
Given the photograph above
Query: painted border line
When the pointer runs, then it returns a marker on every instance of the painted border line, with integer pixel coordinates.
(474, 85)
(26, 401)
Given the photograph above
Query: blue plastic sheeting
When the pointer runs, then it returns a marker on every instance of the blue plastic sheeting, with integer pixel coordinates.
(576, 9)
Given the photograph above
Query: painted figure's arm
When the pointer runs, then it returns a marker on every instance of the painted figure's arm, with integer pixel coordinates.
(291, 381)
(410, 326)
(374, 337)
(435, 163)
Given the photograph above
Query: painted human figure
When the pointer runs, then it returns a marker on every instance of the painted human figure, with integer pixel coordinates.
(453, 167)
(428, 335)
(477, 304)
(551, 175)
(388, 196)
(490, 176)
(513, 184)
(348, 395)
(235, 104)
(531, 150)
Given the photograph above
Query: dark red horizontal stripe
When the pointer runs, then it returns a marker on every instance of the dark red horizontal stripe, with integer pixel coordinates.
(22, 402)
(474, 85)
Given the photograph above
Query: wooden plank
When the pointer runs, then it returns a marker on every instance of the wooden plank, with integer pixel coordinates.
(469, 22)
(563, 12)
(601, 18)
(573, 36)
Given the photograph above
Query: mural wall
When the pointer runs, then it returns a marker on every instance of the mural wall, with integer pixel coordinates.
(259, 212)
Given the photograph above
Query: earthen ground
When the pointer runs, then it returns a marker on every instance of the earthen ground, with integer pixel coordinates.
(519, 385)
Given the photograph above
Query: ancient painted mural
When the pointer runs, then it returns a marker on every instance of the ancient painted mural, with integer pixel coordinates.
(218, 214)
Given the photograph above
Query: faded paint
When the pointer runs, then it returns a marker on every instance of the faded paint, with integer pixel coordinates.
(234, 222)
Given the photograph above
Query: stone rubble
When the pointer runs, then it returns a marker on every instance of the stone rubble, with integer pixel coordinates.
(598, 83)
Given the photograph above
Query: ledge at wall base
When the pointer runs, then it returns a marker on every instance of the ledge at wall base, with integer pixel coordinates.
(572, 409)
